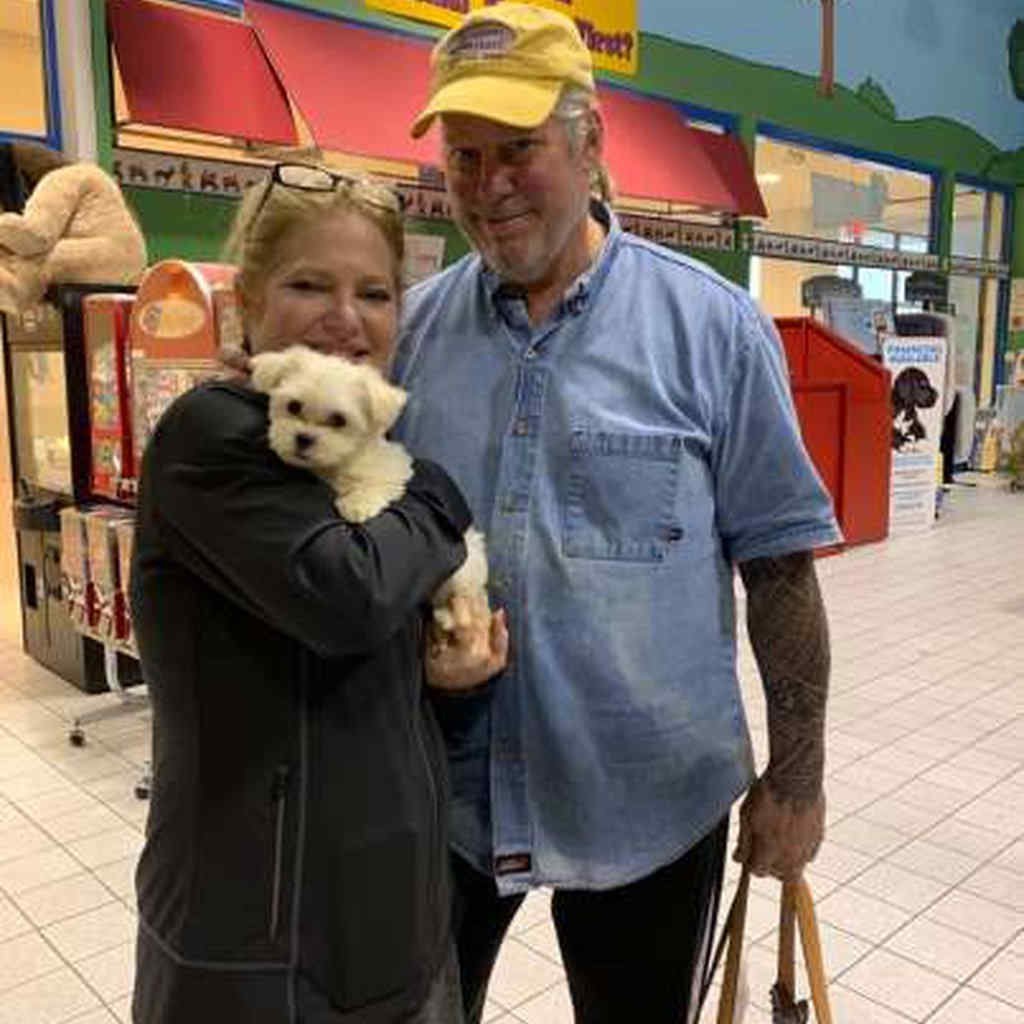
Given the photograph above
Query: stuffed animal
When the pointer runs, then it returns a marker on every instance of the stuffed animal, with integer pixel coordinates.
(75, 228)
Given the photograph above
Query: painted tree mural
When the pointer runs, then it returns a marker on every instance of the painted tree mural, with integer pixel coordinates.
(827, 82)
(1015, 46)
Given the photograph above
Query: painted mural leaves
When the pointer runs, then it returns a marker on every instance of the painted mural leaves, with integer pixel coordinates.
(877, 98)
(1015, 48)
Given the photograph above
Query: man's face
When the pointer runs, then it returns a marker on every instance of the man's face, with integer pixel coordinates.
(520, 195)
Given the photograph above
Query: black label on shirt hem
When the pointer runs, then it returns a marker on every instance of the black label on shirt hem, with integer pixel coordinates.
(512, 863)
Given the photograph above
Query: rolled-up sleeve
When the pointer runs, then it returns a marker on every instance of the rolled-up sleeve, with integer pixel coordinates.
(769, 497)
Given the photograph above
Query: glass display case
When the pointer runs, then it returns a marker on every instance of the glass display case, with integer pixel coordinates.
(50, 452)
(38, 400)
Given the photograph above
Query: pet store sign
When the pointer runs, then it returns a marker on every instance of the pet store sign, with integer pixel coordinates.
(918, 368)
(608, 27)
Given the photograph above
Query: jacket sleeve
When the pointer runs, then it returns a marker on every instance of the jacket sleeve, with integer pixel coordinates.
(266, 535)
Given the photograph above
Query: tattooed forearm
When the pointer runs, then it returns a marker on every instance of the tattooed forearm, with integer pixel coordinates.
(789, 635)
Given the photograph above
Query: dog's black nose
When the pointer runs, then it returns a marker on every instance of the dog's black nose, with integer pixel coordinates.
(303, 441)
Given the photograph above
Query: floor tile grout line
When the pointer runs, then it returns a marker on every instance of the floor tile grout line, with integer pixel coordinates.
(981, 967)
(74, 965)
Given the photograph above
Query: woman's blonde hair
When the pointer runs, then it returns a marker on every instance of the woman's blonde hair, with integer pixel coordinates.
(270, 210)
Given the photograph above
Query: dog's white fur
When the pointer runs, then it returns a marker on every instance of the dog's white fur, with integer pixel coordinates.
(330, 416)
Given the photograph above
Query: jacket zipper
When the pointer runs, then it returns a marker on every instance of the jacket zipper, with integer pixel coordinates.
(279, 795)
(419, 727)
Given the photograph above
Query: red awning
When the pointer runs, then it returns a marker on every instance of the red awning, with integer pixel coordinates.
(653, 154)
(730, 156)
(197, 72)
(358, 88)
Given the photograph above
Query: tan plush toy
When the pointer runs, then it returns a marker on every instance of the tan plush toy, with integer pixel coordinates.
(75, 228)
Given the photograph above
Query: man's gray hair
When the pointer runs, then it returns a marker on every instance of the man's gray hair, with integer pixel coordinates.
(574, 109)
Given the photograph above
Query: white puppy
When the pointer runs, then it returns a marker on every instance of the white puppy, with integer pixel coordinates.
(330, 416)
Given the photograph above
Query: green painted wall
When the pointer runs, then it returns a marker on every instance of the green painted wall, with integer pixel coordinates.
(101, 75)
(1018, 234)
(733, 265)
(455, 245)
(185, 226)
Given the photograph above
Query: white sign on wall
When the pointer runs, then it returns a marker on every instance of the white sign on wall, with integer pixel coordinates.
(918, 367)
(424, 257)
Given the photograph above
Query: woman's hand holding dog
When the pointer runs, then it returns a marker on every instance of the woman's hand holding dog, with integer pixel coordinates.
(474, 651)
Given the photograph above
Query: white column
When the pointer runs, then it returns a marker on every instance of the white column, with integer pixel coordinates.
(74, 69)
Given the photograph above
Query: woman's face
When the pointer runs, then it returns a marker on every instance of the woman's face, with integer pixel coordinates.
(333, 288)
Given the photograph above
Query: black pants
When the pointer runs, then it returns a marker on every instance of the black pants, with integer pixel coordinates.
(947, 440)
(632, 954)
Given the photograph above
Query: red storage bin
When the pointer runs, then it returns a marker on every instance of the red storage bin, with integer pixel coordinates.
(842, 401)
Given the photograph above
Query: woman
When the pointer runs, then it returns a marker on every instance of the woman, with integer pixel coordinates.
(295, 866)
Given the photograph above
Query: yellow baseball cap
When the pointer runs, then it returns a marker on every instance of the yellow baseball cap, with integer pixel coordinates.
(507, 63)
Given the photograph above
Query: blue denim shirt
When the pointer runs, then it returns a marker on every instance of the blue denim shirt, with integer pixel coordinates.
(621, 457)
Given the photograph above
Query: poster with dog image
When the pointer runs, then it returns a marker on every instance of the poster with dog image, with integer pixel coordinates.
(918, 367)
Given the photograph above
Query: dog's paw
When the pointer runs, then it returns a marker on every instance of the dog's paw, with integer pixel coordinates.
(357, 508)
(444, 620)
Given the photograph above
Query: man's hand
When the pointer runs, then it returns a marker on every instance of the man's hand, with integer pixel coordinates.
(778, 837)
(472, 653)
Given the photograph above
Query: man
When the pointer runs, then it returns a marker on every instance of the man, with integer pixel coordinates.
(619, 419)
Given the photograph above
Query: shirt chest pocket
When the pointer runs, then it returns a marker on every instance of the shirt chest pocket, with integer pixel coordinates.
(619, 496)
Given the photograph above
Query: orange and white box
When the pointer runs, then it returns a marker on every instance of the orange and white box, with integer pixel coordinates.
(104, 570)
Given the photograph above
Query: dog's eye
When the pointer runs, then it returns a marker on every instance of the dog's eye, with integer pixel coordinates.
(294, 407)
(336, 420)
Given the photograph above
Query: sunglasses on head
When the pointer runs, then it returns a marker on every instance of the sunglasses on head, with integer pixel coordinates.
(309, 178)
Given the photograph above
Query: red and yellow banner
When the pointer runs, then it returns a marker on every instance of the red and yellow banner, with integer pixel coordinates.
(608, 27)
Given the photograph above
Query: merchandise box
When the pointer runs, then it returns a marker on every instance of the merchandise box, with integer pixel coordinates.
(125, 531)
(74, 567)
(105, 323)
(184, 313)
(108, 604)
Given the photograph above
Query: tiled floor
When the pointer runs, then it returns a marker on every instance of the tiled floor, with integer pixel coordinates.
(920, 886)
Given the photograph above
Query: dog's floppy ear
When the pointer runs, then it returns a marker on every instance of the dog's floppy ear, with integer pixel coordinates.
(384, 401)
(902, 389)
(270, 368)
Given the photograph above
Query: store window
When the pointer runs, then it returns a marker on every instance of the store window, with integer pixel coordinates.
(979, 219)
(979, 234)
(25, 47)
(815, 193)
(778, 283)
(878, 283)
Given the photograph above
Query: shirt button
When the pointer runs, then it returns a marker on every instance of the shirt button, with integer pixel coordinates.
(522, 427)
(531, 353)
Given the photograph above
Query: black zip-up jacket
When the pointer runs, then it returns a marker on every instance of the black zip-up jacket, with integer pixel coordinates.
(295, 866)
